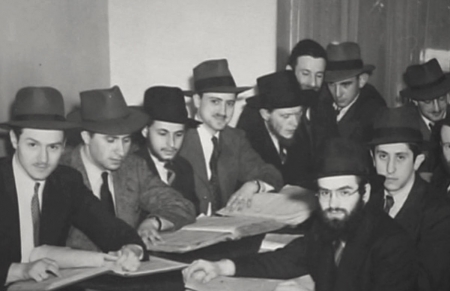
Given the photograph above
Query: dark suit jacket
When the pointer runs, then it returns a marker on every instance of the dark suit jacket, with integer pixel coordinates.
(426, 217)
(137, 193)
(184, 175)
(379, 255)
(238, 163)
(65, 202)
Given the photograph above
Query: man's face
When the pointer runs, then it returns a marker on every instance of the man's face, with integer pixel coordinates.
(345, 91)
(396, 162)
(106, 151)
(435, 109)
(164, 139)
(339, 198)
(215, 109)
(445, 143)
(283, 122)
(38, 151)
(309, 72)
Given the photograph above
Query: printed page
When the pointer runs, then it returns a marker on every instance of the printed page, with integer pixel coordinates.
(153, 266)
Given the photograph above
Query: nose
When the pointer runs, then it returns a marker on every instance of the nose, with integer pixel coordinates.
(391, 167)
(43, 155)
(120, 148)
(223, 109)
(435, 105)
(170, 141)
(334, 201)
(313, 82)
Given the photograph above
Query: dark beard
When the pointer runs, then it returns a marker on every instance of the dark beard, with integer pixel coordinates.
(286, 142)
(335, 229)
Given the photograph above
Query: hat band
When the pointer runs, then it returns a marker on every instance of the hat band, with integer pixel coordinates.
(402, 133)
(430, 85)
(39, 117)
(344, 65)
(214, 82)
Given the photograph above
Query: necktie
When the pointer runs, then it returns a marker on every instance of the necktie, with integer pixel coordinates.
(337, 110)
(36, 214)
(214, 180)
(388, 202)
(431, 125)
(105, 194)
(282, 153)
(338, 246)
(170, 173)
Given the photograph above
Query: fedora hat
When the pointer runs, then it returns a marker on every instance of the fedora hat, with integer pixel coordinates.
(344, 61)
(215, 76)
(280, 90)
(397, 125)
(38, 108)
(340, 156)
(425, 81)
(105, 111)
(167, 104)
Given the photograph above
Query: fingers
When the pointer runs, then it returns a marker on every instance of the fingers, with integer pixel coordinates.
(128, 260)
(42, 269)
(110, 257)
(200, 270)
(150, 237)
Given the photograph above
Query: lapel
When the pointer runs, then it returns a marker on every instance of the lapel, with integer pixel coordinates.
(77, 163)
(349, 122)
(426, 133)
(193, 152)
(271, 154)
(143, 153)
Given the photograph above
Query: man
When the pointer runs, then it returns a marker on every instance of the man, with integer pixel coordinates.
(349, 246)
(397, 154)
(441, 175)
(122, 182)
(40, 200)
(164, 135)
(282, 104)
(346, 76)
(223, 160)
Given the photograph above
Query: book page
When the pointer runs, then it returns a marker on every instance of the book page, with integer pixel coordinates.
(220, 224)
(153, 266)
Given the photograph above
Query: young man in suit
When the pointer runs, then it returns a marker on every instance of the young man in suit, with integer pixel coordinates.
(40, 201)
(281, 105)
(346, 76)
(225, 165)
(349, 246)
(164, 134)
(122, 181)
(397, 154)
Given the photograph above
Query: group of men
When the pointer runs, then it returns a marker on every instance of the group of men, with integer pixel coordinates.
(318, 125)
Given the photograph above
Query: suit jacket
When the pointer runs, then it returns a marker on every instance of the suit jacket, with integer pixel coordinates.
(137, 193)
(378, 255)
(426, 217)
(184, 175)
(66, 201)
(237, 164)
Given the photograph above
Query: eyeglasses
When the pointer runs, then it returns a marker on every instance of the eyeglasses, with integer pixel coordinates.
(341, 194)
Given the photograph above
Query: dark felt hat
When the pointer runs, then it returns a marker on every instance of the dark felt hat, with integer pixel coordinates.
(105, 111)
(215, 76)
(39, 108)
(280, 90)
(167, 104)
(397, 125)
(340, 157)
(344, 61)
(425, 81)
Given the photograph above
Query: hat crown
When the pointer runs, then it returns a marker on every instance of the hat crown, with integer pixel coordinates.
(165, 104)
(344, 51)
(38, 101)
(417, 76)
(103, 104)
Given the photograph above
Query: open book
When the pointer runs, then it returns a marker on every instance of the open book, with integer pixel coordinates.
(268, 212)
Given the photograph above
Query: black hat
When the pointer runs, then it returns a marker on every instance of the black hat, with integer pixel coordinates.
(425, 81)
(39, 108)
(281, 90)
(167, 104)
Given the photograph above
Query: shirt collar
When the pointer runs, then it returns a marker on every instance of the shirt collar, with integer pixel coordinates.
(273, 137)
(401, 196)
(93, 171)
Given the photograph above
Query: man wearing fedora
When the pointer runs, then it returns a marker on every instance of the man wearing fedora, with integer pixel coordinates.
(164, 135)
(346, 76)
(122, 181)
(281, 104)
(223, 160)
(349, 246)
(40, 200)
(441, 174)
(397, 146)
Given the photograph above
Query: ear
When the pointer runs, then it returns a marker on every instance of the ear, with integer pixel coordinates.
(13, 138)
(363, 79)
(86, 137)
(289, 68)
(419, 160)
(415, 102)
(366, 195)
(144, 131)
(264, 114)
(197, 100)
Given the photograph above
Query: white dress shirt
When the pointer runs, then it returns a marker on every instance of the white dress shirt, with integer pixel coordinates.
(400, 198)
(25, 191)
(160, 167)
(344, 110)
(207, 145)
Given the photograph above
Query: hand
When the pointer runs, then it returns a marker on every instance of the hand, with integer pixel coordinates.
(148, 231)
(243, 197)
(128, 257)
(290, 286)
(40, 270)
(205, 271)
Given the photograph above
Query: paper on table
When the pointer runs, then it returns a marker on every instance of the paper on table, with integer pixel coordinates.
(66, 257)
(153, 266)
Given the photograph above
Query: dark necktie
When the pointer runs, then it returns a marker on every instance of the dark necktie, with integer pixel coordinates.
(36, 214)
(431, 125)
(337, 110)
(282, 153)
(388, 202)
(105, 194)
(338, 246)
(214, 180)
(170, 173)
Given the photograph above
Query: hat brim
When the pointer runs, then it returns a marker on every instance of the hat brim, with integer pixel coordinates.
(224, 89)
(134, 121)
(428, 93)
(40, 124)
(255, 102)
(339, 75)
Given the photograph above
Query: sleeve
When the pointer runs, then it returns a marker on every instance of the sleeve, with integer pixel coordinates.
(5, 250)
(286, 263)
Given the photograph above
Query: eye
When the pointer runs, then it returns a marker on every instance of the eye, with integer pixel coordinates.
(162, 133)
(32, 144)
(427, 101)
(344, 192)
(320, 76)
(401, 157)
(230, 103)
(215, 101)
(305, 73)
(382, 156)
(55, 147)
(127, 140)
(324, 193)
(110, 139)
(179, 134)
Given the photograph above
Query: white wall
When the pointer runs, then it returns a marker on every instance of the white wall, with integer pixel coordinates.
(158, 42)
